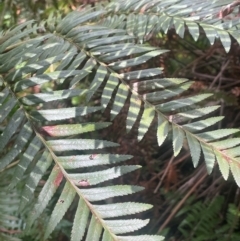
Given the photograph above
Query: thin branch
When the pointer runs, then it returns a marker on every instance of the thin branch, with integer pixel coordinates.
(164, 174)
(179, 205)
(219, 75)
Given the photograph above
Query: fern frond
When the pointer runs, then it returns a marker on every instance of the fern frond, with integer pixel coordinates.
(11, 224)
(41, 134)
(207, 221)
(159, 97)
(203, 221)
(145, 18)
(161, 103)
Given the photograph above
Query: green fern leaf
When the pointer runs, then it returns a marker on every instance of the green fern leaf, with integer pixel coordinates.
(193, 30)
(63, 114)
(93, 178)
(178, 138)
(94, 230)
(11, 128)
(134, 109)
(119, 100)
(225, 144)
(162, 130)
(141, 74)
(193, 114)
(154, 84)
(63, 203)
(182, 103)
(19, 144)
(25, 160)
(74, 19)
(146, 120)
(72, 162)
(166, 94)
(135, 61)
(78, 144)
(140, 238)
(195, 149)
(81, 217)
(147, 17)
(200, 125)
(102, 193)
(34, 99)
(120, 209)
(126, 226)
(97, 81)
(110, 86)
(34, 121)
(223, 165)
(209, 157)
(225, 39)
(46, 194)
(217, 134)
(21, 72)
(33, 179)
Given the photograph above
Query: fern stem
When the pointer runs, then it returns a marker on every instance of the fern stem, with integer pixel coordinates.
(10, 166)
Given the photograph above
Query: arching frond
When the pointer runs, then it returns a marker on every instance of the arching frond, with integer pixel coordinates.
(146, 18)
(203, 221)
(160, 97)
(41, 133)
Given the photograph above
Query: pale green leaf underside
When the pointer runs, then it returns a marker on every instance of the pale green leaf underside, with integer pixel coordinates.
(78, 144)
(145, 122)
(93, 178)
(141, 238)
(195, 149)
(63, 113)
(234, 166)
(209, 157)
(60, 208)
(134, 108)
(101, 193)
(162, 130)
(77, 161)
(145, 18)
(120, 209)
(223, 165)
(73, 129)
(178, 138)
(26, 159)
(125, 226)
(33, 179)
(81, 217)
(44, 63)
(80, 50)
(46, 194)
(51, 96)
(94, 230)
(56, 53)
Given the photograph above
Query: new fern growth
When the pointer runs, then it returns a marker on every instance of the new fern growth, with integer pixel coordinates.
(99, 45)
(204, 222)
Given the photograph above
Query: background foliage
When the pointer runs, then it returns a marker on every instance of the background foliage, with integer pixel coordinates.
(188, 204)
